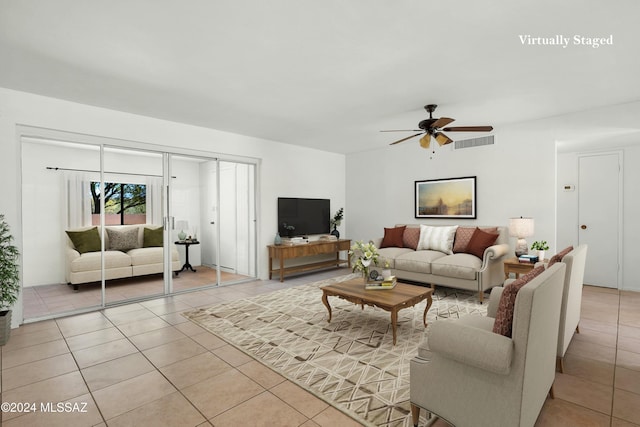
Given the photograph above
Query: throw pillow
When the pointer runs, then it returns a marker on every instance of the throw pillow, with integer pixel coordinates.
(152, 237)
(437, 238)
(85, 241)
(558, 257)
(122, 240)
(463, 235)
(411, 237)
(479, 242)
(503, 323)
(393, 237)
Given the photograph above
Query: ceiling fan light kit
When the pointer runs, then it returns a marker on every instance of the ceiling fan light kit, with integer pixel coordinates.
(435, 127)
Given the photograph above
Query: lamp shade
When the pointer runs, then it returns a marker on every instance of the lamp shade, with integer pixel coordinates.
(520, 227)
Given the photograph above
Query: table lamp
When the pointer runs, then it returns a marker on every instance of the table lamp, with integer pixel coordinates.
(521, 228)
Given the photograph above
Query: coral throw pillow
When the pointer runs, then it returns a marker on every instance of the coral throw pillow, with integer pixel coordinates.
(503, 324)
(479, 242)
(393, 237)
(463, 236)
(411, 237)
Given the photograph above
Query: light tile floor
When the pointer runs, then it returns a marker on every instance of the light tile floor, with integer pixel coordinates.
(143, 364)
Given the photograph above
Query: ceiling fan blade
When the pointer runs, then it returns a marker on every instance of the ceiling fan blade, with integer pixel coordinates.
(469, 129)
(442, 121)
(402, 130)
(425, 141)
(442, 138)
(404, 139)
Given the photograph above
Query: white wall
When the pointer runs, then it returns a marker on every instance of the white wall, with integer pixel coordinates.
(568, 207)
(317, 173)
(515, 177)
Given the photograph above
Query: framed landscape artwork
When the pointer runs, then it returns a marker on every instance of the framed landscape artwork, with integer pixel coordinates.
(446, 198)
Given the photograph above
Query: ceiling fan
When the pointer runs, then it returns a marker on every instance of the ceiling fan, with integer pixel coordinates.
(434, 127)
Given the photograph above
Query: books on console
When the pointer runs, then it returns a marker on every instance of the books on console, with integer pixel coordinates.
(528, 259)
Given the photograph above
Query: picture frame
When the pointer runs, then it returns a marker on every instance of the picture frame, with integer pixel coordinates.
(446, 198)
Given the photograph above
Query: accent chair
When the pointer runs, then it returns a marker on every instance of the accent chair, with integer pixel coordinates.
(575, 260)
(469, 375)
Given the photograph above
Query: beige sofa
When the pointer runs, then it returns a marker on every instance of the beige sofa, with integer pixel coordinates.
(137, 260)
(456, 270)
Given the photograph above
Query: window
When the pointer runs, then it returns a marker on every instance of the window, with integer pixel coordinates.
(123, 203)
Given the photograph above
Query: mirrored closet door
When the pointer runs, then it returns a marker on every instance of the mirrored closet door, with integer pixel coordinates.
(107, 224)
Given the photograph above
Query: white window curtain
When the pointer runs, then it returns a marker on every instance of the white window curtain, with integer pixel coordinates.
(77, 195)
(154, 200)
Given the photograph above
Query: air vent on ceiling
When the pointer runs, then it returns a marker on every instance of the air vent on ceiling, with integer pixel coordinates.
(474, 142)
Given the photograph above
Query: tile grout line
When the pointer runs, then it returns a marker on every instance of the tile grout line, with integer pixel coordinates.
(157, 369)
(80, 371)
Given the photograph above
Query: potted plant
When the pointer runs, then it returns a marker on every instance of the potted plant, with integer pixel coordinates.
(335, 222)
(541, 246)
(9, 279)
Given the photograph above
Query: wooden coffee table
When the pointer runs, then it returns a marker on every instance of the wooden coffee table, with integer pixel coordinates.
(392, 300)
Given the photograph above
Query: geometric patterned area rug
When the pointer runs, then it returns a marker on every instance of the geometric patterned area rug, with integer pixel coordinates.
(351, 363)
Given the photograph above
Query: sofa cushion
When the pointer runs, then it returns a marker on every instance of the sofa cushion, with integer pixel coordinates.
(393, 237)
(479, 242)
(86, 240)
(417, 261)
(463, 235)
(122, 239)
(411, 237)
(141, 256)
(437, 238)
(459, 266)
(390, 254)
(91, 261)
(152, 237)
(558, 257)
(504, 315)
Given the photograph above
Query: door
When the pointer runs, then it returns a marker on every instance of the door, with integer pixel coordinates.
(599, 216)
(132, 202)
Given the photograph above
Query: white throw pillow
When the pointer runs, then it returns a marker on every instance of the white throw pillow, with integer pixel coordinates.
(437, 238)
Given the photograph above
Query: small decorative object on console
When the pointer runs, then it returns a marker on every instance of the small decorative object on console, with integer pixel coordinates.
(335, 222)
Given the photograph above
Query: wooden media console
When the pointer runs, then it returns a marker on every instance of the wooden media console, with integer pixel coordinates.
(319, 247)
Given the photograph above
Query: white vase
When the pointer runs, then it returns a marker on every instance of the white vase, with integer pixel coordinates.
(540, 255)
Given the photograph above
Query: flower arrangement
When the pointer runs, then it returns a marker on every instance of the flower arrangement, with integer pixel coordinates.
(338, 217)
(364, 254)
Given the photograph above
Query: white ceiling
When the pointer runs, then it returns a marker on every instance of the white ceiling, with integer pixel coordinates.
(325, 74)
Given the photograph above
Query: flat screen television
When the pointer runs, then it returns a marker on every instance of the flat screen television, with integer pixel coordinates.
(308, 216)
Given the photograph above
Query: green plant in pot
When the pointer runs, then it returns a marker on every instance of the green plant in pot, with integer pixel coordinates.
(541, 246)
(336, 221)
(9, 279)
